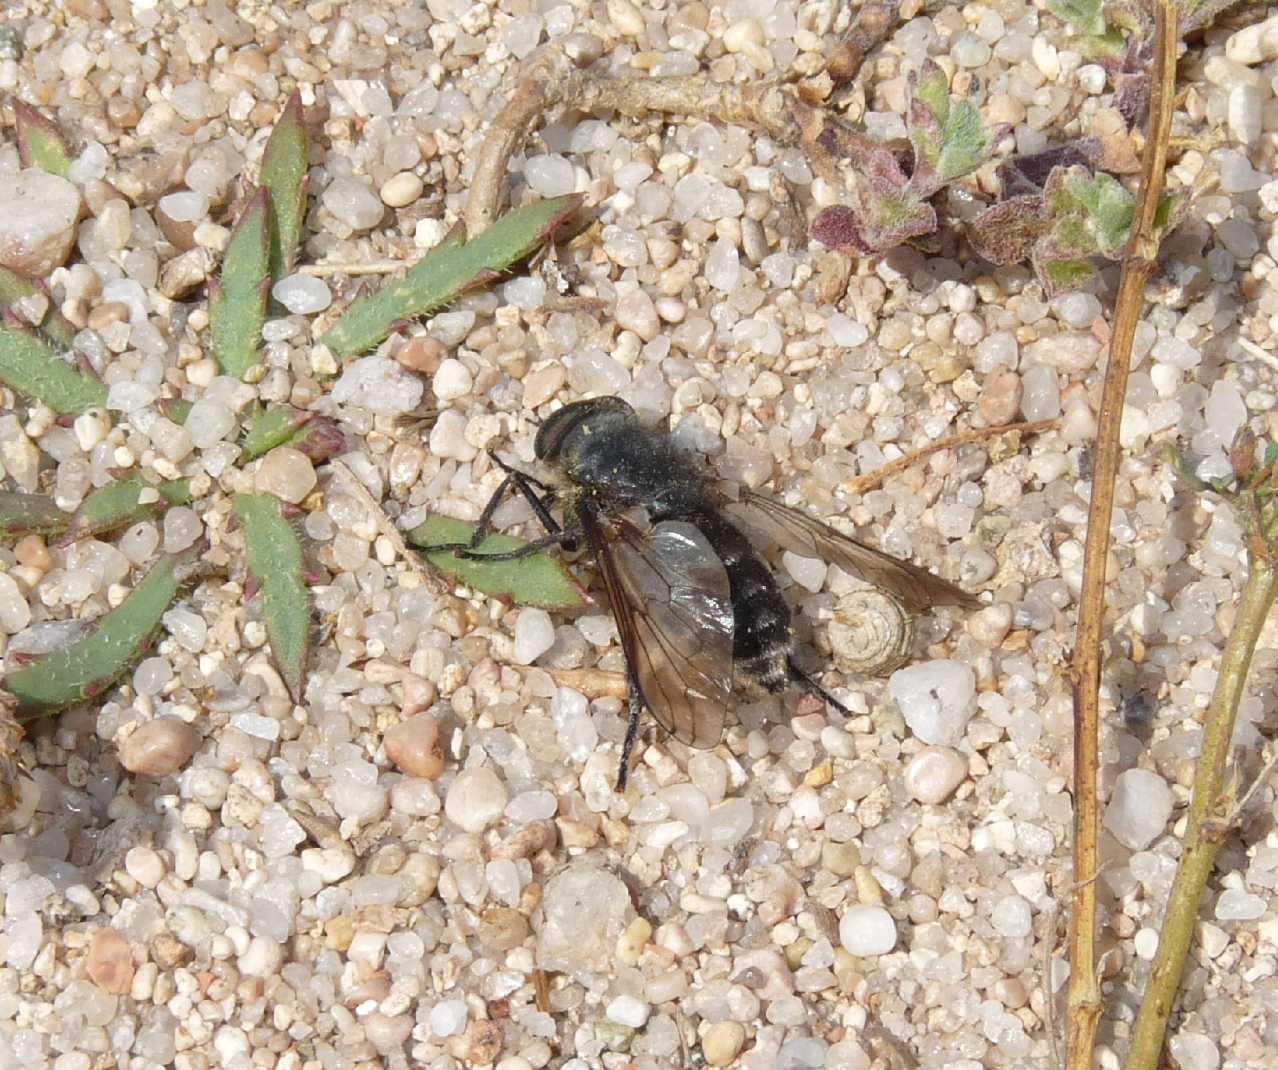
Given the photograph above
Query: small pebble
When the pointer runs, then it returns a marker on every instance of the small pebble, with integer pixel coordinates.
(534, 635)
(38, 212)
(302, 294)
(934, 774)
(722, 1042)
(159, 747)
(628, 1011)
(937, 698)
(1194, 1051)
(475, 799)
(866, 931)
(287, 473)
(453, 380)
(145, 866)
(1000, 398)
(1257, 43)
(448, 1017)
(353, 203)
(1139, 808)
(109, 962)
(415, 748)
(401, 190)
(1235, 904)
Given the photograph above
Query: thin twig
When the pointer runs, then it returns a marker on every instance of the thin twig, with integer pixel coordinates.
(870, 480)
(1210, 801)
(872, 24)
(1235, 815)
(373, 267)
(1138, 265)
(384, 525)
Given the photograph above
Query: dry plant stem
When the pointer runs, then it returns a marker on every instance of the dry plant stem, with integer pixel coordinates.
(550, 82)
(1138, 265)
(393, 534)
(373, 267)
(1209, 802)
(870, 480)
(872, 24)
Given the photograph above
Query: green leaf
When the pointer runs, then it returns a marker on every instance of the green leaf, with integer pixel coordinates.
(18, 293)
(1108, 205)
(447, 272)
(30, 367)
(29, 514)
(540, 579)
(284, 176)
(40, 141)
(275, 560)
(1271, 453)
(1062, 275)
(1086, 16)
(237, 305)
(949, 139)
(272, 427)
(120, 504)
(85, 669)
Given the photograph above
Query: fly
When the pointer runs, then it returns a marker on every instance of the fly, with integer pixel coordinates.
(701, 618)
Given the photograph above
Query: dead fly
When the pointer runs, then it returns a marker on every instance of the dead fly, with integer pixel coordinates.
(701, 619)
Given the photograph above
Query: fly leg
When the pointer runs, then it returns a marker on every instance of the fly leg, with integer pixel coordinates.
(808, 683)
(632, 730)
(465, 550)
(527, 486)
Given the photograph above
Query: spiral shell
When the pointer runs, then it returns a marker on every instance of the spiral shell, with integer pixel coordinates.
(871, 634)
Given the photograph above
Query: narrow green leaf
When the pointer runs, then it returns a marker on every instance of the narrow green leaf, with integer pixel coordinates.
(30, 367)
(237, 305)
(86, 668)
(1271, 453)
(541, 579)
(275, 560)
(17, 293)
(40, 141)
(447, 272)
(272, 427)
(29, 514)
(120, 504)
(284, 176)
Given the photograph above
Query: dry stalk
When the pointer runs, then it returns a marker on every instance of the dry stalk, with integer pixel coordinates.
(550, 81)
(1205, 830)
(867, 482)
(1138, 265)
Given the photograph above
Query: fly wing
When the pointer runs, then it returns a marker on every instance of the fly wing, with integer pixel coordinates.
(670, 595)
(917, 588)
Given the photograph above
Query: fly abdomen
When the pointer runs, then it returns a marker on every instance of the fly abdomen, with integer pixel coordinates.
(762, 635)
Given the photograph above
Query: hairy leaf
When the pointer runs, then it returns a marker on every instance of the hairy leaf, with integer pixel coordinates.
(30, 367)
(276, 562)
(29, 514)
(237, 304)
(284, 177)
(125, 502)
(540, 579)
(83, 670)
(447, 272)
(40, 141)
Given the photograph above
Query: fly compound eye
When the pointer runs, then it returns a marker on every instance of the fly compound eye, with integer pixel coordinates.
(577, 416)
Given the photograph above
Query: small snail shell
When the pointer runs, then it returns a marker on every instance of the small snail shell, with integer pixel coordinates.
(871, 634)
